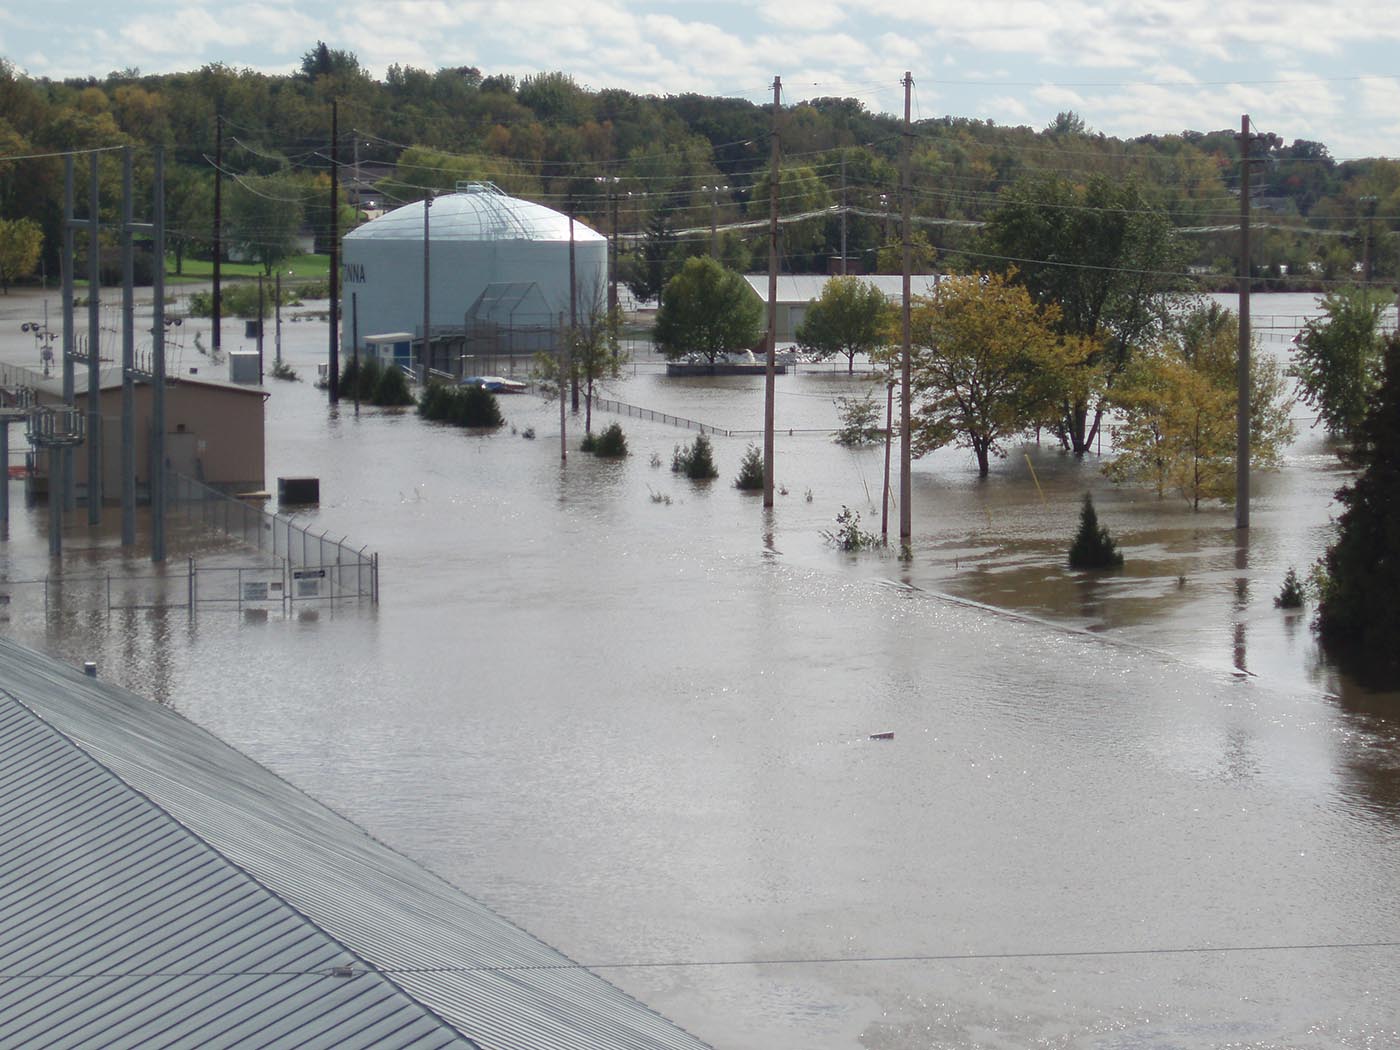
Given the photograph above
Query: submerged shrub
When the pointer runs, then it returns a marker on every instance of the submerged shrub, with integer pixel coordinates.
(696, 460)
(750, 471)
(463, 406)
(1093, 548)
(610, 443)
(848, 535)
(1291, 594)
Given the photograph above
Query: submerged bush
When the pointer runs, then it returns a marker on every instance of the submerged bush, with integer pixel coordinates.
(848, 535)
(609, 443)
(462, 406)
(1291, 594)
(1093, 548)
(750, 476)
(696, 460)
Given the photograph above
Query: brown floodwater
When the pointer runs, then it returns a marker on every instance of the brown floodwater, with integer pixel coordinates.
(634, 714)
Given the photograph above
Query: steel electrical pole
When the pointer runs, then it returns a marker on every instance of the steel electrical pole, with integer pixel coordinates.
(1242, 358)
(334, 377)
(906, 485)
(770, 371)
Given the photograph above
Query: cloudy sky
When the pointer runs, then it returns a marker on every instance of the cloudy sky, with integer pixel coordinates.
(1129, 67)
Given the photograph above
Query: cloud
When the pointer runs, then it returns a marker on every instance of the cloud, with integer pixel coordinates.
(809, 15)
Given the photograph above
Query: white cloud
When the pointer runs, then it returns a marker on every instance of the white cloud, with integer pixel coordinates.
(811, 15)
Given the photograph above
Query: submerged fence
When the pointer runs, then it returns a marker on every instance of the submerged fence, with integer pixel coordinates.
(318, 567)
(623, 408)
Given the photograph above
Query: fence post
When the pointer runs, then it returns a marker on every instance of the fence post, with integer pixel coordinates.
(190, 596)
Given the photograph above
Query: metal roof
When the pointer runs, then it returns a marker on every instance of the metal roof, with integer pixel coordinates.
(494, 983)
(803, 288)
(482, 213)
(118, 928)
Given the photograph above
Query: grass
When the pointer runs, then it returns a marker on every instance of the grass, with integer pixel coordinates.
(299, 267)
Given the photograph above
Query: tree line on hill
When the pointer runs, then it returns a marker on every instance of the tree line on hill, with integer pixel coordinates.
(668, 168)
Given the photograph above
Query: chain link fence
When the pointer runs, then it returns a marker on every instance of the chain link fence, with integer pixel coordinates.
(317, 566)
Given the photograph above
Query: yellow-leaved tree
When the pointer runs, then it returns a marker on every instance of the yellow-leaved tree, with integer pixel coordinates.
(987, 364)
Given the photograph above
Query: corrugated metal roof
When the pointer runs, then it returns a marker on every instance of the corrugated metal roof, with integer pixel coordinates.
(120, 929)
(495, 983)
(485, 214)
(803, 288)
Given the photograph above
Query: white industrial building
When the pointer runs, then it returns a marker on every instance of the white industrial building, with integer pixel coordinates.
(498, 273)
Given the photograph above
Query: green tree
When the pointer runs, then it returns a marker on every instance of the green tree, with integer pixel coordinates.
(265, 216)
(189, 202)
(21, 241)
(987, 365)
(1105, 256)
(1338, 356)
(850, 317)
(706, 310)
(1093, 547)
(595, 354)
(1177, 402)
(1359, 607)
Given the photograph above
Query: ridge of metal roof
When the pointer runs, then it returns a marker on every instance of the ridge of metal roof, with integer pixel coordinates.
(493, 982)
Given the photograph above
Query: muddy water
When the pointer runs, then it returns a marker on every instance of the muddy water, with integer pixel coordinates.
(641, 729)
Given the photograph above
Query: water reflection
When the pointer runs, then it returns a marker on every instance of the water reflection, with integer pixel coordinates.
(641, 729)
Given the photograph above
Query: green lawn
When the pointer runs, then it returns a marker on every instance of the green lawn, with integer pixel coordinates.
(300, 267)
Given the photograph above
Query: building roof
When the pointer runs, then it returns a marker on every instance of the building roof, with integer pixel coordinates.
(157, 885)
(109, 377)
(803, 288)
(477, 212)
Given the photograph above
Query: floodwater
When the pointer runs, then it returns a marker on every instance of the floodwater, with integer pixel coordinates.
(633, 714)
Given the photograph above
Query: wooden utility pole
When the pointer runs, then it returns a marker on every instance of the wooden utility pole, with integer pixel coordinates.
(770, 373)
(1242, 358)
(218, 230)
(906, 477)
(334, 385)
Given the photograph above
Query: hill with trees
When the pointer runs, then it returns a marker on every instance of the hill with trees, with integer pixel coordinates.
(667, 169)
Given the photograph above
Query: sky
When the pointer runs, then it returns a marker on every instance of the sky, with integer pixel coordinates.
(1326, 72)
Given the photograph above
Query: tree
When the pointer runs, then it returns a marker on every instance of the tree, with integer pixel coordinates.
(1093, 547)
(189, 197)
(21, 241)
(1105, 256)
(706, 310)
(850, 317)
(1177, 402)
(595, 354)
(1359, 607)
(987, 364)
(1337, 358)
(265, 216)
(644, 272)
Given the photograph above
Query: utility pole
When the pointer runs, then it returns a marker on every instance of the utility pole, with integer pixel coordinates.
(573, 314)
(158, 368)
(906, 479)
(334, 386)
(770, 372)
(63, 457)
(427, 282)
(1242, 358)
(1370, 203)
(277, 324)
(843, 213)
(94, 406)
(262, 308)
(714, 219)
(218, 228)
(128, 465)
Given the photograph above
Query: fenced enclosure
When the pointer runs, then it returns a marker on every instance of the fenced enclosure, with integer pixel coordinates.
(181, 586)
(317, 566)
